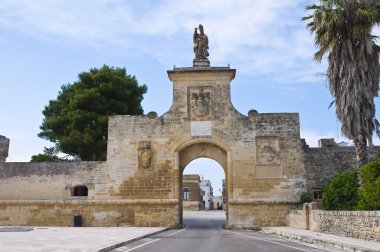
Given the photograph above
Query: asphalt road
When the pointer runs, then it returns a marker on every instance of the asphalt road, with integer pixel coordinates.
(207, 234)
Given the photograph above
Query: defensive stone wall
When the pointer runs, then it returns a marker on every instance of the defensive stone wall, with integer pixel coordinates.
(321, 164)
(356, 224)
(49, 180)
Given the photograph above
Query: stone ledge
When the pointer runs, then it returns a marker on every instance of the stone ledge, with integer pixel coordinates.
(256, 202)
(91, 202)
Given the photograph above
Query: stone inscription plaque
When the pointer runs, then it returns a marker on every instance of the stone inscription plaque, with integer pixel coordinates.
(201, 129)
(200, 103)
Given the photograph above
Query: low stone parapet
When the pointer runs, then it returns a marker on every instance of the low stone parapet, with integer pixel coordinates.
(363, 225)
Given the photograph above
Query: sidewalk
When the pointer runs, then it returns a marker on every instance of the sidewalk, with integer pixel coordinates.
(78, 239)
(321, 240)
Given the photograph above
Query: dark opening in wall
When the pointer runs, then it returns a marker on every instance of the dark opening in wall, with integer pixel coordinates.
(80, 191)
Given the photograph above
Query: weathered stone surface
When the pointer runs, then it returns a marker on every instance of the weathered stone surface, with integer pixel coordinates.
(4, 147)
(321, 164)
(363, 225)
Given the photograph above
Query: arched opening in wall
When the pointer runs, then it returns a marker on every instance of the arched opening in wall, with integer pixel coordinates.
(80, 190)
(203, 185)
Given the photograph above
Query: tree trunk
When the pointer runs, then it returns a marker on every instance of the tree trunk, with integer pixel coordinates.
(361, 150)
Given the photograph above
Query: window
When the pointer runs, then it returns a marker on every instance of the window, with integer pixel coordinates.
(317, 194)
(186, 193)
(80, 191)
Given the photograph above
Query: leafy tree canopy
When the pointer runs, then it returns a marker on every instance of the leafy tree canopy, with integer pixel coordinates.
(49, 155)
(369, 190)
(341, 193)
(342, 29)
(77, 120)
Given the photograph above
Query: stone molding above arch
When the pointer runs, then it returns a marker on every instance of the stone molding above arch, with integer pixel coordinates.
(202, 148)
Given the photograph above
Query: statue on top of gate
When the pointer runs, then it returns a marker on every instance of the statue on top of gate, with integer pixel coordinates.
(200, 44)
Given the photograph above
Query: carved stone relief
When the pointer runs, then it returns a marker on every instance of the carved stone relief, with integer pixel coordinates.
(267, 158)
(200, 103)
(145, 155)
(267, 150)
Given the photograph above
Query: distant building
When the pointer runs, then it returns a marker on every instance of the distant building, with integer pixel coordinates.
(218, 202)
(208, 194)
(192, 196)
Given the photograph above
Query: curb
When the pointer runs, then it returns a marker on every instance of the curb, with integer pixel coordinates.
(319, 243)
(120, 244)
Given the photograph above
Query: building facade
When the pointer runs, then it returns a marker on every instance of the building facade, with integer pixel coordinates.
(208, 194)
(192, 193)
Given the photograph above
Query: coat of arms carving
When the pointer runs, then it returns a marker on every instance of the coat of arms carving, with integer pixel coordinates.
(200, 103)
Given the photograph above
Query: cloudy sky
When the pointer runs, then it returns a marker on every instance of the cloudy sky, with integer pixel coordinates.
(45, 44)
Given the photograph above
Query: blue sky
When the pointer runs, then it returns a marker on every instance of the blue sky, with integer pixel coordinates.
(45, 44)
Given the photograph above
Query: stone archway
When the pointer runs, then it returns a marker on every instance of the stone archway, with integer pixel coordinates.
(202, 148)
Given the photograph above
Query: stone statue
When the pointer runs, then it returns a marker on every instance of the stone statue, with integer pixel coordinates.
(145, 155)
(200, 44)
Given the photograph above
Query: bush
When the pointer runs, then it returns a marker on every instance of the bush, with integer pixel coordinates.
(341, 193)
(369, 191)
(305, 198)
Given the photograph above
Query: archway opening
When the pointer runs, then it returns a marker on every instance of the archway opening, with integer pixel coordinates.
(203, 191)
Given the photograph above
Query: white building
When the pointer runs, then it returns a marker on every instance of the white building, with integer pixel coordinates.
(208, 194)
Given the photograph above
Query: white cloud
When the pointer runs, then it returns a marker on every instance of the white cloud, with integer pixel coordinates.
(260, 38)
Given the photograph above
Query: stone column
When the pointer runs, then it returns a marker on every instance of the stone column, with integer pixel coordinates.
(4, 147)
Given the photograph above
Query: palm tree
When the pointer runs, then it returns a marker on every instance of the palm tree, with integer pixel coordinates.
(342, 29)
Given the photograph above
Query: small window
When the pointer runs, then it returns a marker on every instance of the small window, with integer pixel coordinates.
(317, 194)
(80, 191)
(186, 193)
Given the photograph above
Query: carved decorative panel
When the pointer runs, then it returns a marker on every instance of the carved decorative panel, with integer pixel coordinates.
(145, 155)
(267, 150)
(267, 158)
(200, 103)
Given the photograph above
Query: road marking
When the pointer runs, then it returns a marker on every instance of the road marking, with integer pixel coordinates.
(155, 240)
(260, 239)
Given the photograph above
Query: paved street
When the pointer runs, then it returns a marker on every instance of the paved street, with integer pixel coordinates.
(204, 232)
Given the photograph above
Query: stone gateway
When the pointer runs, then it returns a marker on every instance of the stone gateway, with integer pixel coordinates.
(265, 162)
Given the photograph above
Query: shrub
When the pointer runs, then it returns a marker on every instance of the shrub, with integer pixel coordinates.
(305, 198)
(341, 193)
(369, 191)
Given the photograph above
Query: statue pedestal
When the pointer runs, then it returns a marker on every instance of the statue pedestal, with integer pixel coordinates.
(201, 63)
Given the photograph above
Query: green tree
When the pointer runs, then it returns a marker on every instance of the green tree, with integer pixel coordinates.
(77, 120)
(369, 191)
(49, 155)
(342, 30)
(341, 193)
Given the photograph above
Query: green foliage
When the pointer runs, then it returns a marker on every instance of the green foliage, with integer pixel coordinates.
(77, 120)
(369, 190)
(342, 30)
(342, 192)
(305, 198)
(49, 155)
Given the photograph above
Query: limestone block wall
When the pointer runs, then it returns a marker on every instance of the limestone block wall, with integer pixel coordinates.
(49, 180)
(296, 219)
(321, 164)
(357, 224)
(93, 212)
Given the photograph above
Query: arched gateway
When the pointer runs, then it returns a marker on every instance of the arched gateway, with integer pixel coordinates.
(260, 153)
(140, 183)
